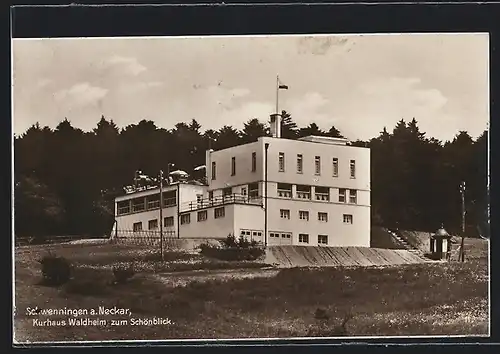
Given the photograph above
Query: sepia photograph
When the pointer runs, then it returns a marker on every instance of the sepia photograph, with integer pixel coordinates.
(250, 187)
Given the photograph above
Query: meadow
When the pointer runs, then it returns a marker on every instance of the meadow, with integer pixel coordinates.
(248, 299)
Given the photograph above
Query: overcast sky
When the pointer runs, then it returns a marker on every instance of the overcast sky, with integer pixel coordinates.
(357, 83)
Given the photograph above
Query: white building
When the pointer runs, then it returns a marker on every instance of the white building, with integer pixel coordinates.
(318, 193)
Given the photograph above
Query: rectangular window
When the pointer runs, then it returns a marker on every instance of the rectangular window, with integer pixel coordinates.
(253, 190)
(285, 213)
(153, 224)
(342, 195)
(322, 239)
(137, 226)
(123, 207)
(335, 167)
(168, 221)
(281, 162)
(347, 219)
(299, 163)
(233, 166)
(353, 169)
(322, 216)
(169, 199)
(243, 191)
(353, 196)
(185, 219)
(219, 212)
(303, 238)
(214, 170)
(138, 204)
(322, 193)
(153, 201)
(254, 161)
(303, 192)
(286, 235)
(284, 190)
(202, 215)
(317, 165)
(227, 191)
(303, 215)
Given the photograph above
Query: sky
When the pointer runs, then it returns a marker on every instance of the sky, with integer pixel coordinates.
(358, 83)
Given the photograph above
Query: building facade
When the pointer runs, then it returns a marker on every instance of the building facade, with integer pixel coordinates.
(318, 193)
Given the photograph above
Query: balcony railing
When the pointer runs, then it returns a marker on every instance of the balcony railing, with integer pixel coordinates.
(322, 196)
(284, 193)
(303, 195)
(220, 200)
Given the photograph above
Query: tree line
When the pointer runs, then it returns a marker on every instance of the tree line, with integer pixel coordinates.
(66, 179)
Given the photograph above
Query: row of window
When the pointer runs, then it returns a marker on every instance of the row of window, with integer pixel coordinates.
(153, 224)
(317, 165)
(203, 215)
(284, 190)
(300, 166)
(303, 238)
(322, 216)
(149, 202)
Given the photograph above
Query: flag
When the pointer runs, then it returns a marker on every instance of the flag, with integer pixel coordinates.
(282, 86)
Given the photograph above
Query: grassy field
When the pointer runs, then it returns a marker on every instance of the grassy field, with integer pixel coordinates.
(423, 299)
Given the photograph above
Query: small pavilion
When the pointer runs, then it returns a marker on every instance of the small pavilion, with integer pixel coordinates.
(440, 244)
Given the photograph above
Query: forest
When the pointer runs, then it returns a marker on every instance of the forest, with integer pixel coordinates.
(66, 179)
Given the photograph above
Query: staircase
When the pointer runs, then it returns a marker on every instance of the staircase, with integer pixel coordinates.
(408, 246)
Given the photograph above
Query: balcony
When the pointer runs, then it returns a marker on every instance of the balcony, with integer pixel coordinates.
(220, 200)
(303, 195)
(284, 193)
(322, 196)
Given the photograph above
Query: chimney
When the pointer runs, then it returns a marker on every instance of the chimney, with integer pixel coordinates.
(276, 125)
(208, 164)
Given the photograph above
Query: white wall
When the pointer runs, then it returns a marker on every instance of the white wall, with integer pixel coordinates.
(210, 228)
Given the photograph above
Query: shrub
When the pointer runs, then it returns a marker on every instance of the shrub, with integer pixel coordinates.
(123, 273)
(229, 241)
(232, 253)
(55, 270)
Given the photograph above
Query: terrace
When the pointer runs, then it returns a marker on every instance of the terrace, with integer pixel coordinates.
(201, 203)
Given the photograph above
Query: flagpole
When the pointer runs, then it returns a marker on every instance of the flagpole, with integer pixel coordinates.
(277, 92)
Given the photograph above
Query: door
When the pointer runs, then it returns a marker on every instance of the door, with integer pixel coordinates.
(286, 238)
(257, 236)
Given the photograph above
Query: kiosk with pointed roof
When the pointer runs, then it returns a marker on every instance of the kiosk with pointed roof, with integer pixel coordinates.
(441, 244)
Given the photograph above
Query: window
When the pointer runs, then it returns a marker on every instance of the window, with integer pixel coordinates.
(227, 191)
(244, 191)
(199, 199)
(138, 204)
(281, 162)
(137, 226)
(322, 193)
(202, 215)
(335, 167)
(347, 219)
(303, 192)
(303, 238)
(317, 165)
(253, 190)
(185, 219)
(342, 195)
(169, 199)
(322, 239)
(153, 224)
(353, 196)
(299, 163)
(322, 216)
(214, 170)
(284, 190)
(303, 215)
(153, 201)
(211, 195)
(123, 207)
(219, 212)
(233, 166)
(168, 221)
(254, 161)
(285, 213)
(353, 169)
(286, 235)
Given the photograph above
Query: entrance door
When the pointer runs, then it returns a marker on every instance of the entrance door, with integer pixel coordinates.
(286, 238)
(257, 236)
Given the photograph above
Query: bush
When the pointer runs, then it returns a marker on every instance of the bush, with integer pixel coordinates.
(233, 250)
(55, 270)
(123, 273)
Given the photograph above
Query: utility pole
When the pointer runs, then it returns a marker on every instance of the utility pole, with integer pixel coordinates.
(161, 214)
(462, 251)
(265, 196)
